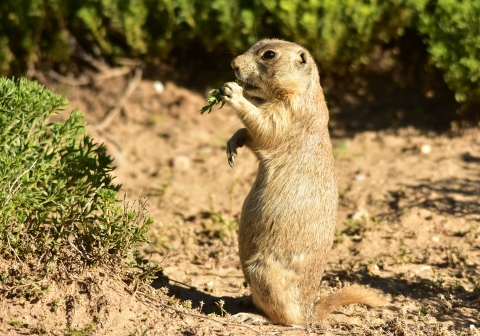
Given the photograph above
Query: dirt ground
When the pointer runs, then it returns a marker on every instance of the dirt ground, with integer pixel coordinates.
(408, 225)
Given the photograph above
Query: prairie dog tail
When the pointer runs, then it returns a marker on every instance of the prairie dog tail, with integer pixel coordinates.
(348, 295)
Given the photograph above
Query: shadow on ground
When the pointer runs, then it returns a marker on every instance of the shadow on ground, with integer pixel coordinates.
(185, 292)
(424, 293)
(453, 196)
(421, 292)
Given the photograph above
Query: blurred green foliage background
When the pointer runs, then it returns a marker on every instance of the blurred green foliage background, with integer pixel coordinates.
(342, 35)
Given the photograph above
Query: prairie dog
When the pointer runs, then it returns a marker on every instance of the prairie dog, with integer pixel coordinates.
(288, 218)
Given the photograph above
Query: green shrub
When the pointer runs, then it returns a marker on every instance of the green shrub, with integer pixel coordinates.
(57, 195)
(341, 34)
(452, 29)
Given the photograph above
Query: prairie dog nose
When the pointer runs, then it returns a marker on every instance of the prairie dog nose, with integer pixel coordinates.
(234, 64)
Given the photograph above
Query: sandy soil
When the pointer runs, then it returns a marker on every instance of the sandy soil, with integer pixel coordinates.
(408, 224)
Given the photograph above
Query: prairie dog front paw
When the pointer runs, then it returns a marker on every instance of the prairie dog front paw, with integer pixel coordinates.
(232, 94)
(237, 140)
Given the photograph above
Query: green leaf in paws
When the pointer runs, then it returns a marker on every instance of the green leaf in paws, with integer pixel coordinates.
(214, 98)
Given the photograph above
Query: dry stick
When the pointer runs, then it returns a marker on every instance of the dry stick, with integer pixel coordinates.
(68, 81)
(25, 285)
(113, 113)
(130, 62)
(13, 250)
(76, 248)
(116, 72)
(78, 51)
(181, 283)
(105, 70)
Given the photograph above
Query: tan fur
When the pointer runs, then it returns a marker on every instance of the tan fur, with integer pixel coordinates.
(289, 216)
(347, 295)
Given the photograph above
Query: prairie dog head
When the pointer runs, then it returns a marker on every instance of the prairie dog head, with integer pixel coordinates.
(275, 69)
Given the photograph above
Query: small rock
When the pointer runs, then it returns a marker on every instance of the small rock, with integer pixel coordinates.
(205, 150)
(426, 149)
(373, 268)
(181, 162)
(423, 268)
(435, 239)
(360, 214)
(159, 87)
(359, 177)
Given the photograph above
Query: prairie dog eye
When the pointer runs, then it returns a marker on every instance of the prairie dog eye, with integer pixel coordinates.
(268, 54)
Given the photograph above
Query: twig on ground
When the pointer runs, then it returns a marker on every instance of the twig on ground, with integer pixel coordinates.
(25, 285)
(13, 250)
(76, 248)
(113, 113)
(69, 81)
(115, 72)
(179, 282)
(130, 62)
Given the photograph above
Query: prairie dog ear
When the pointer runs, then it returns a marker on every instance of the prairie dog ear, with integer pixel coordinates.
(303, 57)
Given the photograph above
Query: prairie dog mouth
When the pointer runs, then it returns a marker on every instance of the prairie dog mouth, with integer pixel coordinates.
(247, 86)
(250, 87)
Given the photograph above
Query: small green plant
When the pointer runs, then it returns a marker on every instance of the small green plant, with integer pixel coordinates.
(57, 195)
(340, 151)
(14, 322)
(216, 224)
(85, 331)
(214, 98)
(405, 256)
(421, 311)
(355, 227)
(172, 300)
(437, 281)
(187, 304)
(475, 282)
(339, 236)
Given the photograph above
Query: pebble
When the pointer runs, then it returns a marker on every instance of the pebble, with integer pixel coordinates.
(360, 214)
(426, 149)
(360, 177)
(181, 162)
(159, 87)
